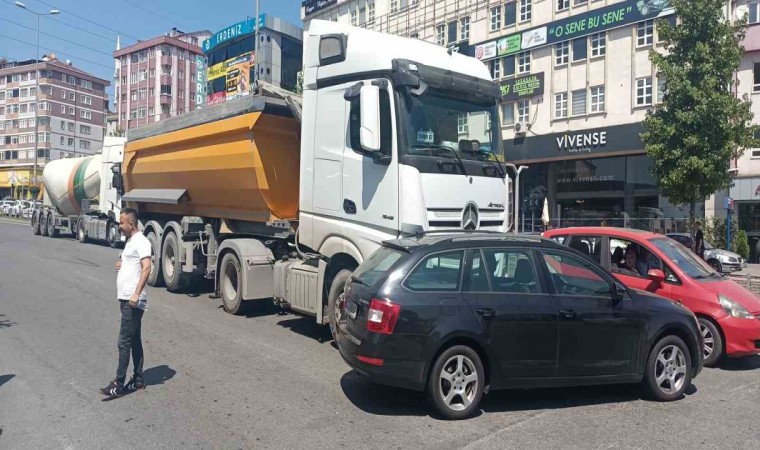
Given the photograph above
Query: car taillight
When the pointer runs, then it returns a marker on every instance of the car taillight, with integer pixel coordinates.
(382, 316)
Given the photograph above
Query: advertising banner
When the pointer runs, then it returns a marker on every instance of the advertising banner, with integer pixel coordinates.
(238, 72)
(231, 32)
(200, 81)
(217, 71)
(580, 25)
(521, 87)
(215, 98)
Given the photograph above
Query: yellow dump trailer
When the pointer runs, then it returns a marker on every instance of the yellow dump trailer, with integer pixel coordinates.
(238, 161)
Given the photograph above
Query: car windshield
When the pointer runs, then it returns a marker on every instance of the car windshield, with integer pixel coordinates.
(444, 121)
(371, 271)
(688, 262)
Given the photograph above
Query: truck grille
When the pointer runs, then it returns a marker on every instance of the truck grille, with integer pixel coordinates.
(447, 219)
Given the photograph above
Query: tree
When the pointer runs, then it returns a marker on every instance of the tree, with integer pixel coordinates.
(118, 132)
(299, 83)
(701, 124)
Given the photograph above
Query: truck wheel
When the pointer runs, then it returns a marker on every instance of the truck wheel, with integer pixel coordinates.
(171, 265)
(36, 223)
(155, 277)
(336, 302)
(43, 224)
(81, 232)
(114, 235)
(231, 283)
(51, 230)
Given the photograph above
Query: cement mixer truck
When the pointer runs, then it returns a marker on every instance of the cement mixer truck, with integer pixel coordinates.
(274, 196)
(79, 198)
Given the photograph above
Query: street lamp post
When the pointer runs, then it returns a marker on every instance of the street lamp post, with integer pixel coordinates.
(52, 12)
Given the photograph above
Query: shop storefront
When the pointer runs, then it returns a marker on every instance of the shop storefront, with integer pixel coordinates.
(591, 178)
(14, 182)
(746, 195)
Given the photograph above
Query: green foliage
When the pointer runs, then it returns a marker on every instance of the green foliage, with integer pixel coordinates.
(701, 124)
(715, 230)
(741, 244)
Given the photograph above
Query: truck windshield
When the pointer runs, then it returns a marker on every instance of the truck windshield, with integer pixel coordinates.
(439, 121)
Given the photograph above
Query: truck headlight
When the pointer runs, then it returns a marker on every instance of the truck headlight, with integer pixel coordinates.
(734, 309)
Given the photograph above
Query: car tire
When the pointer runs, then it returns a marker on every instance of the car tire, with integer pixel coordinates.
(713, 340)
(171, 266)
(155, 277)
(336, 301)
(231, 283)
(81, 232)
(716, 265)
(668, 370)
(456, 381)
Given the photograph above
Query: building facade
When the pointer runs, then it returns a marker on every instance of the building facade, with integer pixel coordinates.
(231, 57)
(157, 78)
(70, 107)
(576, 82)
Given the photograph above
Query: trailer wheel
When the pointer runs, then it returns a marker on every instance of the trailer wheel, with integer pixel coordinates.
(51, 230)
(43, 223)
(231, 283)
(336, 302)
(171, 265)
(81, 232)
(155, 277)
(36, 223)
(114, 235)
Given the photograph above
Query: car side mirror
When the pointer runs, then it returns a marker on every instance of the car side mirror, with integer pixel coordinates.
(618, 291)
(369, 133)
(656, 275)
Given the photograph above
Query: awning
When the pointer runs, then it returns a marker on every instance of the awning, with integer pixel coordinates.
(165, 196)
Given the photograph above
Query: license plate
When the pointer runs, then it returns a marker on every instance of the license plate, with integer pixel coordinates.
(351, 309)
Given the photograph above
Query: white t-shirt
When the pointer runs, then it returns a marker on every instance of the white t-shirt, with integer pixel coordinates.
(136, 248)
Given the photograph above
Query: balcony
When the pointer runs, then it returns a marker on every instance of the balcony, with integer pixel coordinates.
(166, 99)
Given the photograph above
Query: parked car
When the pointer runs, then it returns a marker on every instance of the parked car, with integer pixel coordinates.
(17, 209)
(721, 260)
(459, 314)
(728, 313)
(5, 206)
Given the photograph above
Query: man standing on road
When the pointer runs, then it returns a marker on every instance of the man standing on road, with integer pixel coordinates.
(699, 241)
(133, 270)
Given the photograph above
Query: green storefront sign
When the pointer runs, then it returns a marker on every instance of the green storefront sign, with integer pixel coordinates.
(521, 87)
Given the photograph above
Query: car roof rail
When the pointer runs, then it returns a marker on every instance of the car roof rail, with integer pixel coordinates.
(456, 231)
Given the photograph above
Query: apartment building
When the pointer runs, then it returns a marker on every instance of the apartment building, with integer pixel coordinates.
(70, 107)
(159, 78)
(576, 82)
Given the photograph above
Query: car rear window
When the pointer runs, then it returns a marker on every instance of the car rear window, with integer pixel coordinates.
(372, 271)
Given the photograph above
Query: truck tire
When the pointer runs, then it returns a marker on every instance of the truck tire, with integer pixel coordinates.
(171, 266)
(231, 283)
(51, 230)
(43, 223)
(335, 301)
(81, 232)
(155, 278)
(36, 230)
(113, 234)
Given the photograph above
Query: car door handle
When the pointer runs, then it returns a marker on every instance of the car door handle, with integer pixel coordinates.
(568, 313)
(487, 313)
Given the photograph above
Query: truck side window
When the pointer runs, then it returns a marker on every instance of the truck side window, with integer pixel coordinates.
(386, 130)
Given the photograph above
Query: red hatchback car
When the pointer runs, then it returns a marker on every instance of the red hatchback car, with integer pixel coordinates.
(729, 314)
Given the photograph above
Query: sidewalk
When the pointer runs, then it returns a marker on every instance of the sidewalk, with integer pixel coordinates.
(748, 277)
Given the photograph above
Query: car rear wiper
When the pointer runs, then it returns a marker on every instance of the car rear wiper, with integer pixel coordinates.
(449, 150)
(356, 280)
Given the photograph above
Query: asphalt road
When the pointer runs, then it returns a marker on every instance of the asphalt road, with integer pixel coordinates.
(270, 380)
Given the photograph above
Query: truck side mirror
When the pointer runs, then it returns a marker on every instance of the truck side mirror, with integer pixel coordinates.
(117, 182)
(369, 133)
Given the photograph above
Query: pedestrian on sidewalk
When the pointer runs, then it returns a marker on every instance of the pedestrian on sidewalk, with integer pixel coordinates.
(133, 269)
(699, 241)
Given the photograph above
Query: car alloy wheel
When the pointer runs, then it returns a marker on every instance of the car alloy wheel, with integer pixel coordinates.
(670, 369)
(709, 340)
(458, 382)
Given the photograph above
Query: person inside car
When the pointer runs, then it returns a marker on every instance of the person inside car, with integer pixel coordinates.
(631, 260)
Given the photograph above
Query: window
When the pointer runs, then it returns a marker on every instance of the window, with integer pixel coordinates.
(496, 18)
(580, 2)
(70, 142)
(362, 17)
(86, 99)
(632, 259)
(72, 97)
(756, 74)
(133, 78)
(71, 126)
(85, 84)
(354, 17)
(440, 272)
(508, 64)
(462, 125)
(84, 114)
(63, 109)
(644, 91)
(2, 95)
(597, 99)
(371, 12)
(63, 125)
(22, 108)
(560, 105)
(133, 94)
(124, 79)
(526, 10)
(166, 89)
(440, 34)
(152, 73)
(142, 93)
(152, 52)
(85, 145)
(753, 12)
(580, 49)
(511, 271)
(523, 62)
(142, 75)
(24, 93)
(373, 270)
(562, 5)
(85, 129)
(451, 32)
(495, 68)
(523, 110)
(180, 93)
(152, 92)
(598, 44)
(660, 87)
(579, 102)
(63, 94)
(72, 80)
(394, 6)
(464, 28)
(562, 53)
(572, 276)
(508, 114)
(32, 91)
(63, 140)
(588, 245)
(510, 14)
(644, 33)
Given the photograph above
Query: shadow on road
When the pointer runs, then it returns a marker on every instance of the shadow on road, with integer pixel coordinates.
(739, 364)
(5, 323)
(383, 400)
(158, 375)
(256, 308)
(6, 378)
(307, 326)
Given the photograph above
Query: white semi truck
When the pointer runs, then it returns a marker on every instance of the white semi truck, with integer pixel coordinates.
(79, 198)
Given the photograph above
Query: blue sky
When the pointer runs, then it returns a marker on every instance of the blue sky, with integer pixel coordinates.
(90, 46)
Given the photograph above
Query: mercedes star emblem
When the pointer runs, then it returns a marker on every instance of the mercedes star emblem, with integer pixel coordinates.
(470, 219)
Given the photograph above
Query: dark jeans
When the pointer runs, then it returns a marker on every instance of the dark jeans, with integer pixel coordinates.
(129, 340)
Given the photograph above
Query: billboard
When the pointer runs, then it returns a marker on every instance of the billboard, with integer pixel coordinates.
(247, 26)
(200, 81)
(236, 74)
